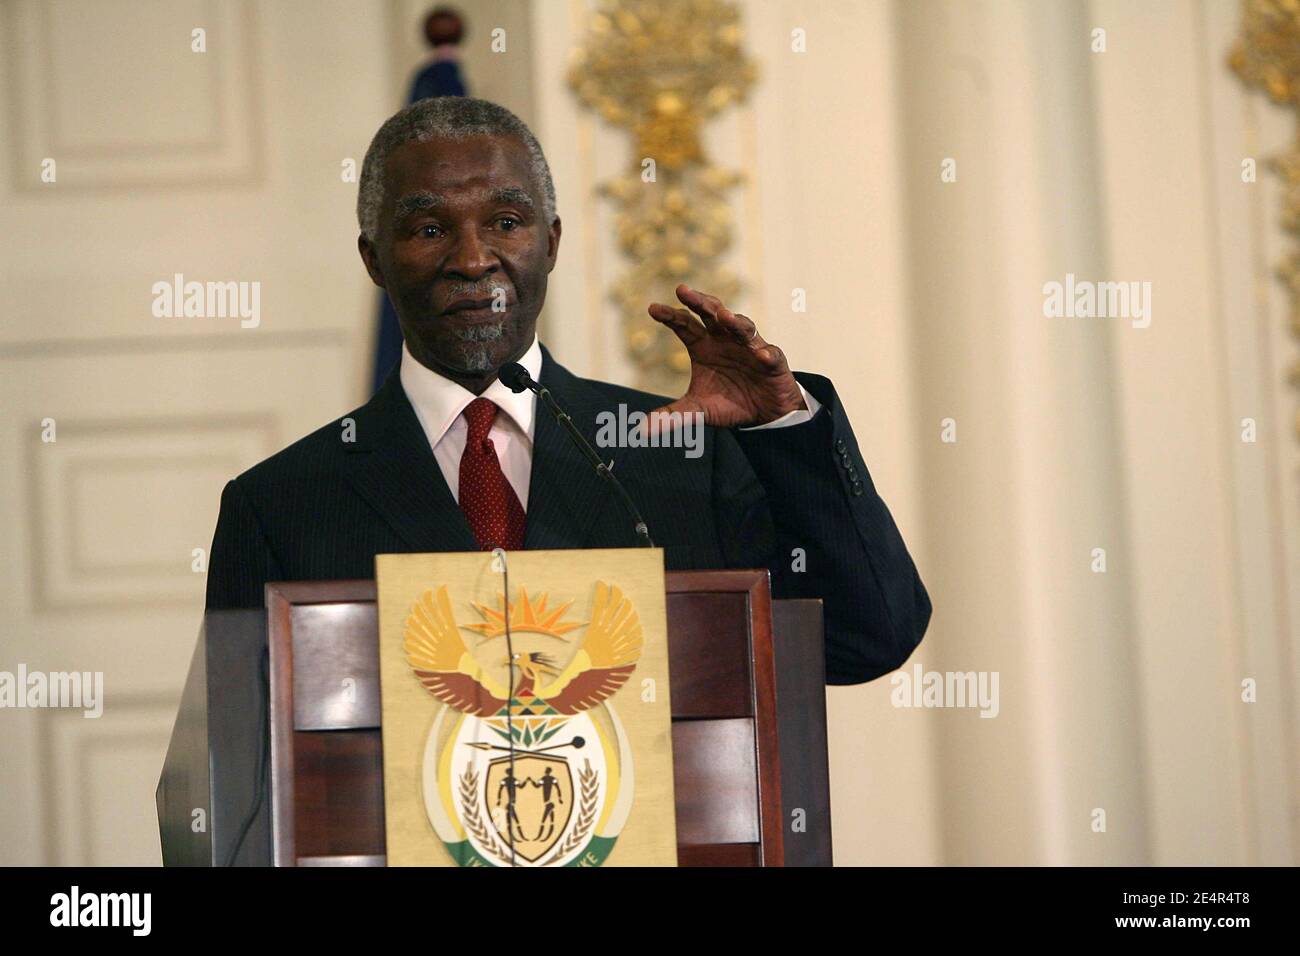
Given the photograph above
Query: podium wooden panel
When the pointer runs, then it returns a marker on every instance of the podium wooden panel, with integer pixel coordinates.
(749, 731)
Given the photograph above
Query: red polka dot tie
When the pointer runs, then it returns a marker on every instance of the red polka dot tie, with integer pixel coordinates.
(490, 504)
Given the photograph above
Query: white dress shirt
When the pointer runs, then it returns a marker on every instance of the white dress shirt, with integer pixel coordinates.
(439, 404)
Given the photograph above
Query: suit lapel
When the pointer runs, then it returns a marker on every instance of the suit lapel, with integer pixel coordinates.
(565, 495)
(392, 467)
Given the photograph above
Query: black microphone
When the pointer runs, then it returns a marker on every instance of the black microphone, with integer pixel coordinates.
(516, 378)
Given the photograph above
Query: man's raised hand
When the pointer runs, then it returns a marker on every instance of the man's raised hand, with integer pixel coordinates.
(737, 379)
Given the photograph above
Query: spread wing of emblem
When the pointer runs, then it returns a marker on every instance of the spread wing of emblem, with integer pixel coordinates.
(605, 660)
(442, 662)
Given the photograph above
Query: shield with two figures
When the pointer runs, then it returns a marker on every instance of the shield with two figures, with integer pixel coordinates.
(532, 799)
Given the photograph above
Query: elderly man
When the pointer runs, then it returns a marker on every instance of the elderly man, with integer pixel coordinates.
(458, 224)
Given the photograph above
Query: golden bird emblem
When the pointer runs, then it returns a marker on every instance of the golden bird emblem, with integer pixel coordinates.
(446, 667)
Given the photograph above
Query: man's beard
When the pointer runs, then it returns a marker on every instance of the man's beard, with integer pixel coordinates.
(475, 349)
(475, 346)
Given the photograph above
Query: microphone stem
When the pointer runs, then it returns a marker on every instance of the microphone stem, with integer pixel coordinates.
(639, 525)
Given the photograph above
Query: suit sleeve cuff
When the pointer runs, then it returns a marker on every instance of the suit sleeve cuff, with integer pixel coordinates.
(796, 417)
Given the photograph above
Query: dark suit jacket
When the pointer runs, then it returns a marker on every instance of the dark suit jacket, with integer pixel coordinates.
(322, 509)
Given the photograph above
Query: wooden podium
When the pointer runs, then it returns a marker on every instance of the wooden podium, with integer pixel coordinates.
(279, 757)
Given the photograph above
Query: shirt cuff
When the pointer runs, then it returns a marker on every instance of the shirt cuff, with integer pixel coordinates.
(796, 417)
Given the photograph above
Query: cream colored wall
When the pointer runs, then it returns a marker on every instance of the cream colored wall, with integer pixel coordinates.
(1119, 691)
(826, 216)
(224, 165)
(1213, 520)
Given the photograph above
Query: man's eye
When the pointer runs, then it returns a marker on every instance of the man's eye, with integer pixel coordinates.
(430, 232)
(508, 223)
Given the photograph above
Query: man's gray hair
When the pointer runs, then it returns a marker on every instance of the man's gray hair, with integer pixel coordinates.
(444, 117)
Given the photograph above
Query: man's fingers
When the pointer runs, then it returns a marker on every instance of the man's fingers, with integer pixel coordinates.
(772, 357)
(718, 318)
(737, 327)
(745, 330)
(684, 325)
(704, 305)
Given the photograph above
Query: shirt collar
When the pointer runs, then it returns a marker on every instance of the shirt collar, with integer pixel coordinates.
(439, 401)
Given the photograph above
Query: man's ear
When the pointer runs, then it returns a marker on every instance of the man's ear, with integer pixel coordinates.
(371, 260)
(553, 243)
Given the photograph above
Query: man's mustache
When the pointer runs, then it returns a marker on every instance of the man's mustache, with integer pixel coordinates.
(465, 290)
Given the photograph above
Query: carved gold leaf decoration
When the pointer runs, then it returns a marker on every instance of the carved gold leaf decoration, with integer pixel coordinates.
(1267, 56)
(660, 69)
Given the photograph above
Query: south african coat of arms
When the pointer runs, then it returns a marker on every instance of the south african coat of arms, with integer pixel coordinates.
(527, 762)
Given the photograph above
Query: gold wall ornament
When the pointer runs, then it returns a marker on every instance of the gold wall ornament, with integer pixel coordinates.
(660, 69)
(1267, 56)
